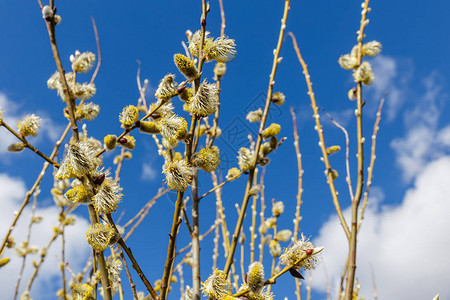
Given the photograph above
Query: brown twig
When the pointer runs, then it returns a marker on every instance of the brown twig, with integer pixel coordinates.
(127, 271)
(347, 153)
(135, 265)
(328, 169)
(376, 127)
(33, 188)
(28, 145)
(99, 53)
(360, 179)
(299, 193)
(245, 201)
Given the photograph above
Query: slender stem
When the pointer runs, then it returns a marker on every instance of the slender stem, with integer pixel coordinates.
(135, 265)
(222, 16)
(33, 188)
(299, 195)
(195, 240)
(28, 145)
(27, 242)
(37, 265)
(219, 186)
(67, 95)
(261, 215)
(376, 127)
(71, 111)
(171, 248)
(119, 280)
(100, 258)
(347, 154)
(259, 140)
(319, 130)
(130, 279)
(119, 165)
(308, 288)
(99, 52)
(216, 238)
(189, 148)
(63, 255)
(186, 220)
(360, 179)
(253, 227)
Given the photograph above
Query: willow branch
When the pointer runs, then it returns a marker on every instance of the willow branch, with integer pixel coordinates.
(219, 185)
(135, 265)
(99, 52)
(360, 179)
(28, 145)
(33, 188)
(347, 154)
(376, 127)
(318, 127)
(245, 201)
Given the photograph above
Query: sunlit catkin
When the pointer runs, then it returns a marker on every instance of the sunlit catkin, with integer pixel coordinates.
(185, 66)
(204, 103)
(255, 277)
(99, 235)
(167, 88)
(129, 116)
(29, 125)
(178, 175)
(217, 285)
(207, 159)
(108, 196)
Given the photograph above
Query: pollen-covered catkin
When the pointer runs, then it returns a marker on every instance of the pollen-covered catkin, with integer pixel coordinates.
(29, 125)
(129, 116)
(185, 66)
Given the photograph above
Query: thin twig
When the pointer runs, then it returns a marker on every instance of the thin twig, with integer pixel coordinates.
(253, 227)
(189, 148)
(318, 127)
(347, 153)
(33, 188)
(27, 243)
(373, 156)
(127, 270)
(135, 265)
(360, 179)
(261, 215)
(99, 52)
(220, 185)
(245, 201)
(28, 145)
(63, 255)
(195, 239)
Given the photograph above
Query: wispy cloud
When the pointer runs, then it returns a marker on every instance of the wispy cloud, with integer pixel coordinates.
(405, 246)
(77, 249)
(12, 112)
(149, 172)
(423, 139)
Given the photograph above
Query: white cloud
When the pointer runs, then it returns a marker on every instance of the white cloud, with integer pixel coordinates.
(387, 79)
(406, 246)
(77, 249)
(423, 140)
(149, 172)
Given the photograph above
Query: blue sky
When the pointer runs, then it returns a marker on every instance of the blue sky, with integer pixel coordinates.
(405, 234)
